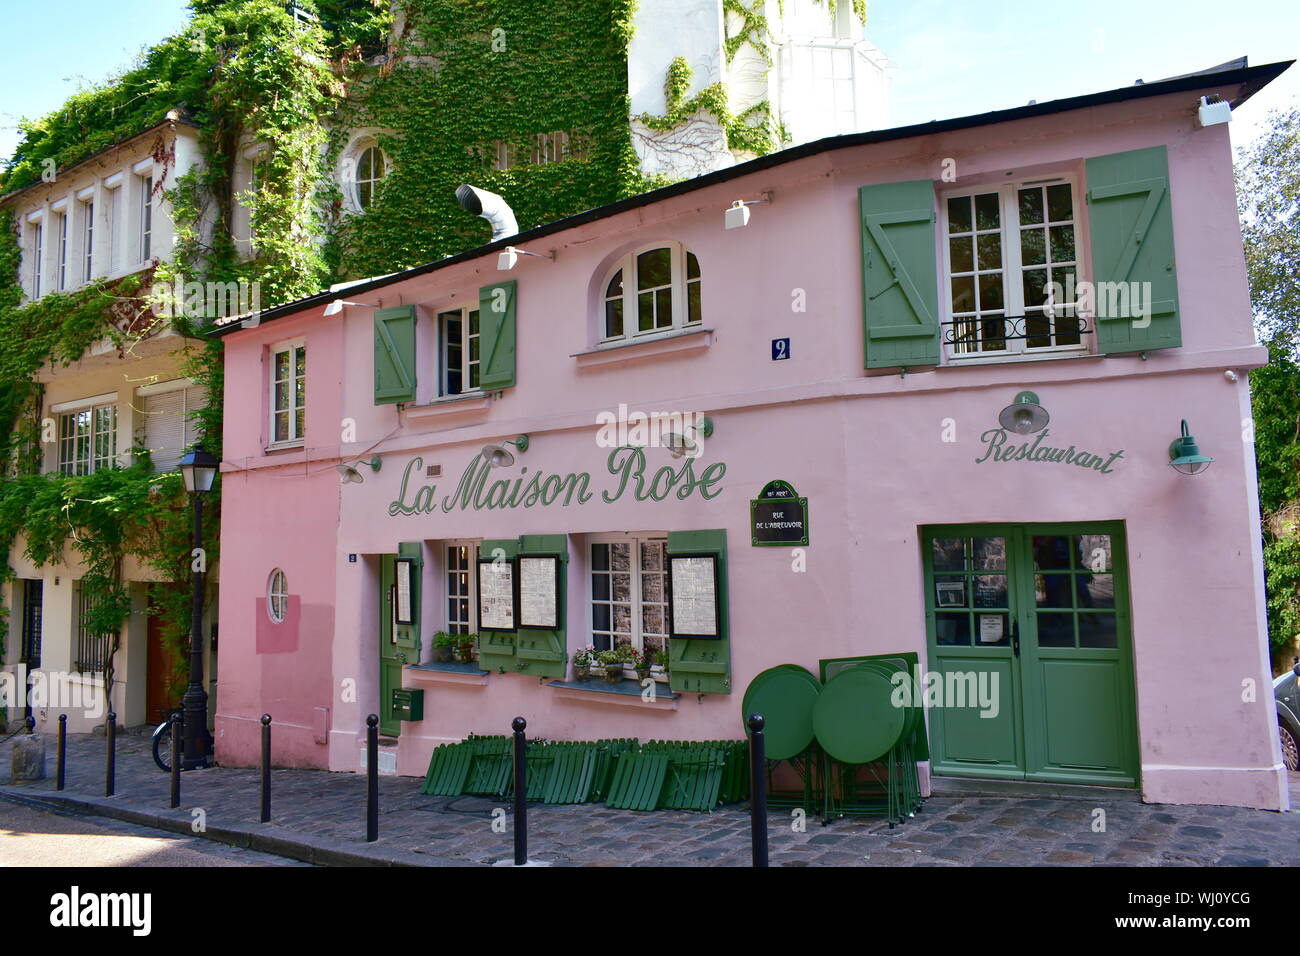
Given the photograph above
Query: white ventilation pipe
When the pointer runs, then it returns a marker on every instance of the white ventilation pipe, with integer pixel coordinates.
(491, 207)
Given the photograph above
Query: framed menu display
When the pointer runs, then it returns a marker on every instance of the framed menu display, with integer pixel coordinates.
(539, 592)
(402, 612)
(496, 595)
(693, 596)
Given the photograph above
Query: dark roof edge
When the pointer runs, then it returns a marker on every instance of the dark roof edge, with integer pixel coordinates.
(179, 121)
(1252, 80)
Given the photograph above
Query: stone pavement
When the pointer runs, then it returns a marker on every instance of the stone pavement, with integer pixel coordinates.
(319, 817)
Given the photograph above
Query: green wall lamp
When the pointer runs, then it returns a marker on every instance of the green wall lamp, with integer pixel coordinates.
(497, 455)
(681, 445)
(1185, 457)
(1024, 415)
(350, 473)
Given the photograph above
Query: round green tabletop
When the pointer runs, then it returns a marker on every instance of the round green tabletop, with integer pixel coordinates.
(854, 719)
(785, 695)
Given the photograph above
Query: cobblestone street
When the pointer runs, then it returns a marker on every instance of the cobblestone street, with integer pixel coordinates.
(320, 813)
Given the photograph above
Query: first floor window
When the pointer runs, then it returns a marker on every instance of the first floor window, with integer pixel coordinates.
(38, 253)
(146, 216)
(63, 252)
(649, 292)
(1008, 249)
(629, 594)
(460, 581)
(87, 439)
(459, 334)
(92, 647)
(288, 393)
(277, 596)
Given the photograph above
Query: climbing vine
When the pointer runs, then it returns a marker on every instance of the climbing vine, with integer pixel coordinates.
(755, 130)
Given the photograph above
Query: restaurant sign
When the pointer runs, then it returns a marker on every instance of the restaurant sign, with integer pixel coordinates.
(997, 448)
(778, 515)
(625, 465)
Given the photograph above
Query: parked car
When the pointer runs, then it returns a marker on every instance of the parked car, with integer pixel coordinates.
(1286, 692)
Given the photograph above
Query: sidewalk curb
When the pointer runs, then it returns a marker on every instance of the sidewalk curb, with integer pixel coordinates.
(264, 838)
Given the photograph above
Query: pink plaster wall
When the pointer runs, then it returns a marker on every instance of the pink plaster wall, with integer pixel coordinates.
(867, 451)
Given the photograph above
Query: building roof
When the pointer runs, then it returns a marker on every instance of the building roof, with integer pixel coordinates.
(1235, 72)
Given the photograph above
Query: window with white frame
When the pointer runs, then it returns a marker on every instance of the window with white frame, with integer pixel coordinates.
(115, 218)
(63, 252)
(651, 292)
(460, 584)
(146, 216)
(88, 240)
(458, 341)
(371, 168)
(87, 439)
(288, 393)
(629, 592)
(38, 254)
(170, 425)
(1007, 250)
(277, 596)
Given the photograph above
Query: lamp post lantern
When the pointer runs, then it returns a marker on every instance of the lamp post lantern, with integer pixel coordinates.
(199, 469)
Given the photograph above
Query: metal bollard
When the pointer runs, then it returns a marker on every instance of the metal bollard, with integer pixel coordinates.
(178, 719)
(521, 791)
(266, 768)
(757, 791)
(63, 751)
(372, 778)
(110, 772)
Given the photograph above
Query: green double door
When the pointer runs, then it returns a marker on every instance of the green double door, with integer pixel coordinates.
(1030, 653)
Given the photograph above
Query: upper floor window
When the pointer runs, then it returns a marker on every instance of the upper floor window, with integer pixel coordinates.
(653, 291)
(288, 393)
(146, 216)
(1007, 249)
(458, 337)
(88, 439)
(88, 240)
(372, 166)
(38, 255)
(63, 251)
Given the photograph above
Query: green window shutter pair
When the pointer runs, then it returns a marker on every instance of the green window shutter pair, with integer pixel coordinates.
(545, 653)
(702, 665)
(1132, 241)
(496, 649)
(395, 356)
(408, 635)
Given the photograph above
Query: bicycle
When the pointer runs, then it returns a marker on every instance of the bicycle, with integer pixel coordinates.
(162, 743)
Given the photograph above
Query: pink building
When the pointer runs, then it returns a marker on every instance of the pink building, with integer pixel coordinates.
(857, 342)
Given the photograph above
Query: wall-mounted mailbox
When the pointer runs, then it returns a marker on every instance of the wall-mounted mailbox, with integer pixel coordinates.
(408, 703)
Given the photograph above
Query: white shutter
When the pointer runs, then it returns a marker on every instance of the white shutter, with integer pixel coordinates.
(196, 398)
(164, 428)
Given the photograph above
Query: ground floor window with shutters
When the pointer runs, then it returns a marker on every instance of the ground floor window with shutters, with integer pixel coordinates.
(629, 592)
(1011, 270)
(288, 393)
(88, 439)
(459, 567)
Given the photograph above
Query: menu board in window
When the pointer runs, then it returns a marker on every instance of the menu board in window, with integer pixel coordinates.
(402, 604)
(496, 595)
(539, 592)
(693, 604)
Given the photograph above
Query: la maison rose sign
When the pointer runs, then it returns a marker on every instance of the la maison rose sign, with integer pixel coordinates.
(625, 468)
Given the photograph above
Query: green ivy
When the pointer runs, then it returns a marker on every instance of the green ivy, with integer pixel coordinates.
(755, 130)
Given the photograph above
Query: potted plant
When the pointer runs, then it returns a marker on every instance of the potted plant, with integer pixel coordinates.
(640, 663)
(465, 647)
(660, 670)
(442, 646)
(582, 659)
(612, 662)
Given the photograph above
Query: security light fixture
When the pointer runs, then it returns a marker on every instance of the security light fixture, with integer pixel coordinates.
(1024, 415)
(1185, 457)
(680, 445)
(350, 473)
(335, 307)
(737, 215)
(509, 256)
(499, 456)
(1212, 114)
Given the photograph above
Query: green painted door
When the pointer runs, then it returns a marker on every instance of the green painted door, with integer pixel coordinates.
(1030, 653)
(391, 656)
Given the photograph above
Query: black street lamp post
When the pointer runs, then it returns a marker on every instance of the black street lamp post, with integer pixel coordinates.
(199, 469)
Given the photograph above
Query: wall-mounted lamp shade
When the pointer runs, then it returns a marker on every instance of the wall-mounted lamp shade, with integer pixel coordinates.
(737, 216)
(335, 307)
(507, 258)
(350, 473)
(679, 445)
(199, 469)
(1185, 456)
(1212, 114)
(1024, 415)
(499, 456)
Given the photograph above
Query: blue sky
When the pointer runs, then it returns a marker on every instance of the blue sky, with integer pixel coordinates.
(951, 59)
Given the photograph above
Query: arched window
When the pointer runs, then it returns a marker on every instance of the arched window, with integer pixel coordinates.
(372, 165)
(277, 596)
(651, 291)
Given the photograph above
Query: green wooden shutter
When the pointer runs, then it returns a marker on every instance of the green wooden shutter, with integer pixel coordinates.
(408, 635)
(1132, 234)
(702, 666)
(538, 652)
(496, 649)
(496, 325)
(900, 286)
(395, 355)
